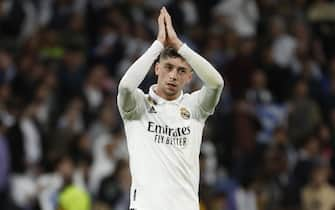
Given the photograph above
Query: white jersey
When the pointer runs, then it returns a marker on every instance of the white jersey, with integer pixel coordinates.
(163, 138)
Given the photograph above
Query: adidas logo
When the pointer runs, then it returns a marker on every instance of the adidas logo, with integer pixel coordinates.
(152, 109)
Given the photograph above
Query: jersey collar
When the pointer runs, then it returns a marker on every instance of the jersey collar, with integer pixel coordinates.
(160, 100)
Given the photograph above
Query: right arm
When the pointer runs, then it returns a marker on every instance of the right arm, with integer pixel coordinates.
(128, 96)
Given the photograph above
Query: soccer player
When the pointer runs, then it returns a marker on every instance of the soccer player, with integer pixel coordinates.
(164, 127)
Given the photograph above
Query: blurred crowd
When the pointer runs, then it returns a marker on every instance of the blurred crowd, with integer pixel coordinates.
(269, 145)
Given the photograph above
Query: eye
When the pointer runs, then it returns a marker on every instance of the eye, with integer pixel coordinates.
(181, 71)
(168, 67)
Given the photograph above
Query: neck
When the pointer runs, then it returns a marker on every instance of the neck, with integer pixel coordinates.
(161, 94)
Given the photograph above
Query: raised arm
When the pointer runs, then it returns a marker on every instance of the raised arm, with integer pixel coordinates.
(128, 96)
(209, 95)
(213, 83)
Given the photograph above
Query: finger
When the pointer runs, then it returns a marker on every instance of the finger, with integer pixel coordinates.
(167, 18)
(162, 13)
(169, 26)
(164, 9)
(161, 27)
(166, 13)
(161, 21)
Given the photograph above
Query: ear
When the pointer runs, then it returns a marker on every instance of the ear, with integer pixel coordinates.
(157, 68)
(189, 77)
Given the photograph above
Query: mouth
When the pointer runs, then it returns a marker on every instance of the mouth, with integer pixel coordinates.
(171, 85)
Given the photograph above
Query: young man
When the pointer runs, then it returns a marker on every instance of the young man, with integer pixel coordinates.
(164, 127)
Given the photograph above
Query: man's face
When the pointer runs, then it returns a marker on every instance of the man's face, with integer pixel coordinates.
(173, 74)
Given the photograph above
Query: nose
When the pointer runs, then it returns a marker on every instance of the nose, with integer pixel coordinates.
(173, 74)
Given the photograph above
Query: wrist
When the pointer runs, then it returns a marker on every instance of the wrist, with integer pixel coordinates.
(178, 44)
(160, 41)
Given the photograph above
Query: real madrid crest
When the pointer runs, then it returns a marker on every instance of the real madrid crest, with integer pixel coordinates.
(185, 114)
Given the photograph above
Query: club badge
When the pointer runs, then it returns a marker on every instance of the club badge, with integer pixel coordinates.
(185, 114)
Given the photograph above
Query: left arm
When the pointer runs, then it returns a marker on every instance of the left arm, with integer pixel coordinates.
(213, 83)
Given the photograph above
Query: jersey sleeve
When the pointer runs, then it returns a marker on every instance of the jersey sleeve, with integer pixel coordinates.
(204, 102)
(130, 99)
(208, 96)
(139, 108)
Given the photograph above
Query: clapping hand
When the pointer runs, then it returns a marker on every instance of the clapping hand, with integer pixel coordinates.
(166, 33)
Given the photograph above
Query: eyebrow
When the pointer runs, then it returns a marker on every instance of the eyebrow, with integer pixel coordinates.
(168, 64)
(178, 67)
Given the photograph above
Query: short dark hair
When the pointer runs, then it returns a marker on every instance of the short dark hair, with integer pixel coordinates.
(169, 52)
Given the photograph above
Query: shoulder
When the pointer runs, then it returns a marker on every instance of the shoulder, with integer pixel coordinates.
(137, 93)
(190, 102)
(188, 99)
(139, 104)
(192, 99)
